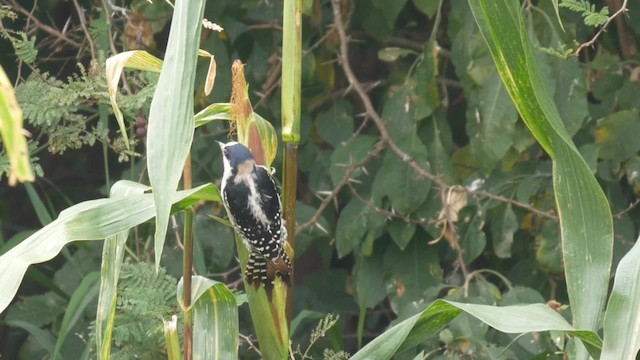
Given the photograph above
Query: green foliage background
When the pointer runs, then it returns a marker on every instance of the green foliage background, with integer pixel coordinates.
(373, 246)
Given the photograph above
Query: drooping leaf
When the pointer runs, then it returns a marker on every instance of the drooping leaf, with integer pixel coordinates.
(509, 319)
(410, 272)
(89, 220)
(401, 232)
(349, 154)
(471, 228)
(368, 274)
(138, 60)
(336, 125)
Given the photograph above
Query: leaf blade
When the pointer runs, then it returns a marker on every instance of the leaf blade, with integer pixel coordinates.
(171, 117)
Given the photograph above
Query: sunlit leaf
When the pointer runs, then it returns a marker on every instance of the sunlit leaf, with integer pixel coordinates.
(89, 220)
(172, 339)
(12, 133)
(112, 257)
(622, 320)
(138, 60)
(171, 117)
(215, 319)
(217, 111)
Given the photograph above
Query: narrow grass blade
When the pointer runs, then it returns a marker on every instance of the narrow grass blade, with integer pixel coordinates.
(171, 118)
(84, 294)
(41, 210)
(42, 337)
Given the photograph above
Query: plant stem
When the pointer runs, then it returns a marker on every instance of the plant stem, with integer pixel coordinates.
(291, 84)
(187, 265)
(290, 186)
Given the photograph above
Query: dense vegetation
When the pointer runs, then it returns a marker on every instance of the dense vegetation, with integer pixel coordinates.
(417, 179)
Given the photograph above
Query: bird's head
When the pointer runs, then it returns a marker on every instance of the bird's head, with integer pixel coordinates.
(237, 157)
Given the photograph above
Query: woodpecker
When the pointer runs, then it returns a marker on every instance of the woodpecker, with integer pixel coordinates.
(254, 208)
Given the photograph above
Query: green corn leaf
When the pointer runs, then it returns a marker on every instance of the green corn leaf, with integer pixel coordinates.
(171, 118)
(112, 257)
(509, 319)
(585, 218)
(622, 320)
(89, 220)
(215, 319)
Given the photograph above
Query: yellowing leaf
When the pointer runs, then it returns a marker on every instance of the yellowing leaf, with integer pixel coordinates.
(13, 138)
(211, 74)
(139, 60)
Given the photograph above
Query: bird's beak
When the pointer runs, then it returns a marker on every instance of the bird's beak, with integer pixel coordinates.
(221, 144)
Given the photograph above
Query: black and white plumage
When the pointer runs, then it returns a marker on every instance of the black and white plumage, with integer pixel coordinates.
(253, 204)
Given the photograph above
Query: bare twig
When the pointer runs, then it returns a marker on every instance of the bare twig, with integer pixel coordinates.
(546, 214)
(373, 114)
(389, 214)
(371, 111)
(83, 25)
(252, 346)
(377, 148)
(44, 27)
(629, 208)
(112, 46)
(623, 9)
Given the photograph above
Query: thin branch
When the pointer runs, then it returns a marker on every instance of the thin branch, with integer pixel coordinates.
(44, 27)
(389, 214)
(83, 25)
(622, 9)
(546, 214)
(377, 148)
(248, 340)
(629, 208)
(373, 114)
(357, 86)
